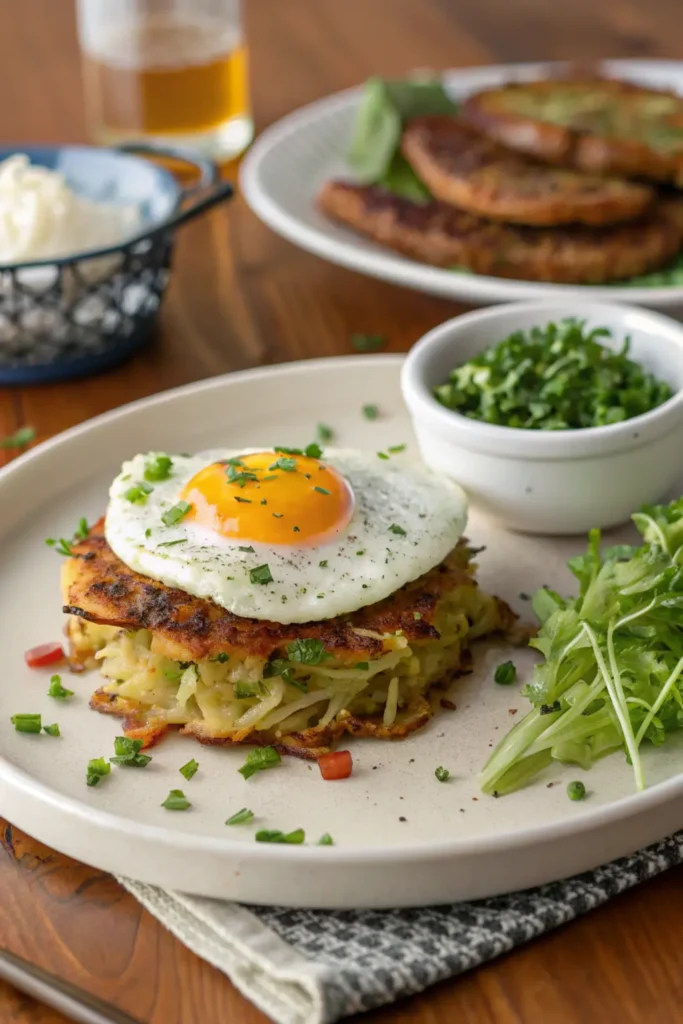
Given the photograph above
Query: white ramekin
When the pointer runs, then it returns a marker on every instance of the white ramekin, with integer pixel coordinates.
(557, 482)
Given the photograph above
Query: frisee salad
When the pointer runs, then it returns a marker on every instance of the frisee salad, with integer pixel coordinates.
(612, 675)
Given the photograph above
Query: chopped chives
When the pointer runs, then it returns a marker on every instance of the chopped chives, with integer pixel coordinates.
(55, 689)
(324, 433)
(176, 801)
(189, 769)
(177, 512)
(240, 817)
(261, 574)
(371, 412)
(275, 836)
(52, 730)
(97, 769)
(27, 723)
(258, 760)
(326, 840)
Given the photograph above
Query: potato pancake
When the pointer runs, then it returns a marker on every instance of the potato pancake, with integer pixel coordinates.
(170, 659)
(445, 236)
(461, 166)
(601, 126)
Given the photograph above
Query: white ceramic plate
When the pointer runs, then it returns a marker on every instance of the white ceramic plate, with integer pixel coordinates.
(286, 166)
(402, 838)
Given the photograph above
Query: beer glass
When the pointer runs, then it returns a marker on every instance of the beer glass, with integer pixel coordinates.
(166, 71)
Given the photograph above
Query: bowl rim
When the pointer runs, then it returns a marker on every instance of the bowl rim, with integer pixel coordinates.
(524, 443)
(10, 149)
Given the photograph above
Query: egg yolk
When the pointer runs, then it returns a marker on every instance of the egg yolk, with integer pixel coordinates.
(271, 498)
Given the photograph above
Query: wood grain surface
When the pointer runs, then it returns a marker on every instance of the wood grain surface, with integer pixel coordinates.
(239, 297)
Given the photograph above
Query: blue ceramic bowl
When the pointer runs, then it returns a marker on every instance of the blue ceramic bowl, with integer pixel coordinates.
(75, 315)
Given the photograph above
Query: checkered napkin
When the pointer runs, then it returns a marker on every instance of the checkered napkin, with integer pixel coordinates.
(317, 966)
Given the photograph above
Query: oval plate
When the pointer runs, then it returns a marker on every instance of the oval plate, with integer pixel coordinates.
(285, 168)
(401, 837)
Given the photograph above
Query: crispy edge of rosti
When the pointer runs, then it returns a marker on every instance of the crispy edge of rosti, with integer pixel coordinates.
(489, 111)
(465, 168)
(444, 236)
(99, 587)
(308, 744)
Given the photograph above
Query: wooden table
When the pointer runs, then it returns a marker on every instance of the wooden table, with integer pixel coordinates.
(241, 297)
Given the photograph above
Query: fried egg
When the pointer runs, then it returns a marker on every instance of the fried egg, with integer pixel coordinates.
(284, 536)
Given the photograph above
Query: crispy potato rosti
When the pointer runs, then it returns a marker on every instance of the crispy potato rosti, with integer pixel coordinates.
(601, 126)
(444, 236)
(461, 166)
(173, 659)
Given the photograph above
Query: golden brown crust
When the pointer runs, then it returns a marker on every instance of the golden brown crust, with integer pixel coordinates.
(98, 587)
(461, 166)
(444, 236)
(601, 126)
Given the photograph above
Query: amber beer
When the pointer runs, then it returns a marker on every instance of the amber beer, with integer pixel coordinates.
(172, 72)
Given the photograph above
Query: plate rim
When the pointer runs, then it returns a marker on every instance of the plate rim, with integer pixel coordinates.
(618, 811)
(384, 264)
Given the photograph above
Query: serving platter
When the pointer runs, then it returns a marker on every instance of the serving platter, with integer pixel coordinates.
(285, 168)
(401, 837)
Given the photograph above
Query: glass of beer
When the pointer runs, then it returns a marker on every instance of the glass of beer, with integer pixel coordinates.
(166, 71)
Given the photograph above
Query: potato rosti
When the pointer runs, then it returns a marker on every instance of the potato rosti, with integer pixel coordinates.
(601, 126)
(173, 659)
(445, 236)
(463, 167)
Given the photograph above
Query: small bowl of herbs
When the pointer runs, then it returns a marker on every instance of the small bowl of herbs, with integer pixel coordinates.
(555, 416)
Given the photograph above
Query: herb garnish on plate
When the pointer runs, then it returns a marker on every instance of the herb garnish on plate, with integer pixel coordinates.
(556, 377)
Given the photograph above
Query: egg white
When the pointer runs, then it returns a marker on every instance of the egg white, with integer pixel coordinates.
(364, 564)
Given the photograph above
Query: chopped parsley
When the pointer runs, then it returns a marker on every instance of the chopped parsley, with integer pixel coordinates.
(326, 840)
(398, 530)
(240, 817)
(367, 342)
(506, 673)
(296, 529)
(261, 574)
(555, 377)
(576, 791)
(189, 769)
(27, 723)
(286, 464)
(221, 657)
(137, 494)
(176, 801)
(177, 512)
(258, 760)
(22, 437)
(158, 468)
(307, 651)
(61, 546)
(313, 451)
(371, 412)
(324, 433)
(55, 689)
(442, 774)
(321, 490)
(246, 547)
(81, 531)
(52, 730)
(323, 564)
(274, 836)
(264, 501)
(96, 770)
(127, 752)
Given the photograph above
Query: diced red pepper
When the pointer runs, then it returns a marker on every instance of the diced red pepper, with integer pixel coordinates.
(336, 765)
(44, 654)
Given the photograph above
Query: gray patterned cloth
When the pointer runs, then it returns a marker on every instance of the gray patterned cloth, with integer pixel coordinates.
(315, 966)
